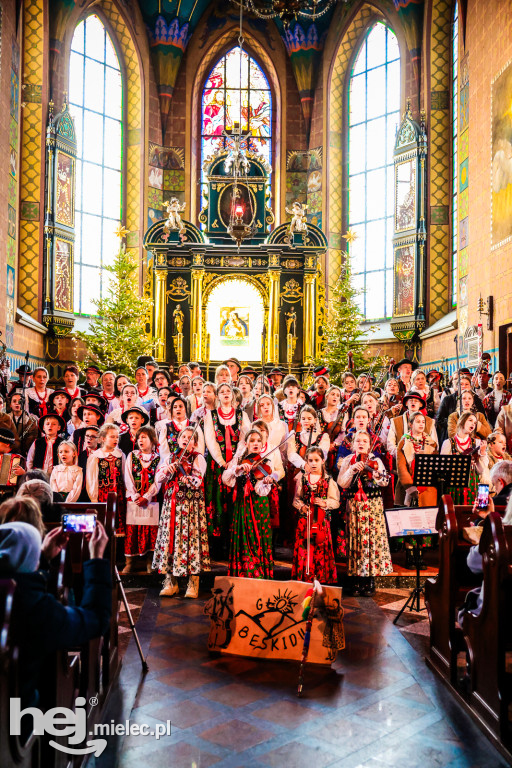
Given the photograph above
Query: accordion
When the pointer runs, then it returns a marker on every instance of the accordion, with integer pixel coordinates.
(8, 463)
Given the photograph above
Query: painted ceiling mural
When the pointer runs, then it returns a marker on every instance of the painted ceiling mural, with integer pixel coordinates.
(171, 23)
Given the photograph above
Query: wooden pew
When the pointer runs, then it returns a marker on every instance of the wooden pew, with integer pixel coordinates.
(446, 591)
(14, 753)
(488, 635)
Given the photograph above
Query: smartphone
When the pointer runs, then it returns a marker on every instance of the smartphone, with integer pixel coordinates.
(483, 496)
(79, 523)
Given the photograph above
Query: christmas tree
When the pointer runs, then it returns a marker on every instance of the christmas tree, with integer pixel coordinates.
(343, 331)
(116, 336)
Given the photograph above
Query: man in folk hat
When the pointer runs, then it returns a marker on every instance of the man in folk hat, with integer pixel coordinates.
(92, 377)
(250, 371)
(412, 402)
(276, 377)
(319, 370)
(58, 402)
(24, 375)
(404, 369)
(234, 368)
(43, 451)
(96, 399)
(25, 424)
(91, 416)
(6, 422)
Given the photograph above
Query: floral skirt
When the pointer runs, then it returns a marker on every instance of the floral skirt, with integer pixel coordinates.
(368, 546)
(184, 550)
(323, 565)
(139, 539)
(218, 500)
(250, 553)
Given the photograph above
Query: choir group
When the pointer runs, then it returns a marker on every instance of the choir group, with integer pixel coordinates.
(235, 467)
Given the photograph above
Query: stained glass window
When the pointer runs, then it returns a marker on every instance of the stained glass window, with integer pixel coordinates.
(236, 90)
(373, 117)
(96, 102)
(455, 153)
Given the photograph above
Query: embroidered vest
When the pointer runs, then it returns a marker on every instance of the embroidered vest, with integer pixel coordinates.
(138, 470)
(220, 431)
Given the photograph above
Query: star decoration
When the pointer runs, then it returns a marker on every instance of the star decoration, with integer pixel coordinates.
(350, 236)
(121, 231)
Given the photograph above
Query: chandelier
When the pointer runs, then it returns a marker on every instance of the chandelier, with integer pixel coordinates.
(287, 10)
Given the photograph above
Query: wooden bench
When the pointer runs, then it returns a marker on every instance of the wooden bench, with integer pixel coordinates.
(14, 752)
(488, 634)
(446, 591)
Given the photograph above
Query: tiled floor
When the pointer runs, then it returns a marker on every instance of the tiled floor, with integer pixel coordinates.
(379, 705)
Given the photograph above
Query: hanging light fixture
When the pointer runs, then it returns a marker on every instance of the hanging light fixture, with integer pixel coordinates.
(287, 10)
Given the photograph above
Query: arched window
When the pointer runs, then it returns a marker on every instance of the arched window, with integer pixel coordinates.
(236, 91)
(455, 153)
(96, 101)
(373, 116)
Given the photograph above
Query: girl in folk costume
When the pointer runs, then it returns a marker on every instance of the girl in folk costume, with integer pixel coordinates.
(317, 395)
(467, 403)
(497, 449)
(266, 410)
(195, 399)
(316, 494)
(36, 397)
(246, 386)
(412, 443)
(262, 386)
(466, 444)
(128, 399)
(276, 463)
(105, 473)
(332, 420)
(378, 422)
(363, 475)
(144, 391)
(391, 400)
(43, 453)
(289, 408)
(142, 486)
(350, 395)
(134, 418)
(168, 439)
(75, 422)
(225, 429)
(495, 400)
(359, 422)
(182, 542)
(58, 402)
(186, 386)
(160, 413)
(250, 553)
(209, 397)
(222, 375)
(67, 476)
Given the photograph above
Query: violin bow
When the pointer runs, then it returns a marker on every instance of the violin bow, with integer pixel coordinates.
(372, 364)
(185, 449)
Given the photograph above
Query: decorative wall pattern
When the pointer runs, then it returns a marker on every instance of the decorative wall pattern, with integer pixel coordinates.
(439, 160)
(336, 122)
(463, 244)
(12, 184)
(31, 159)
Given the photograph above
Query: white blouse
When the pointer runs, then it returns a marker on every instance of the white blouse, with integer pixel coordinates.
(91, 473)
(67, 480)
(131, 491)
(346, 473)
(211, 441)
(199, 467)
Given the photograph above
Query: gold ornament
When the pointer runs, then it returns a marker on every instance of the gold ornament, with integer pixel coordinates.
(350, 236)
(121, 232)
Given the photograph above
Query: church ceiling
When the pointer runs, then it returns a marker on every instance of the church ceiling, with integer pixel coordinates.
(170, 25)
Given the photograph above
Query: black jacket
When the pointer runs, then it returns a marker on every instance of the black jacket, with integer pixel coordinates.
(42, 625)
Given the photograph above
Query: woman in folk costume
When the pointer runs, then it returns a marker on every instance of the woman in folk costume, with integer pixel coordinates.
(129, 398)
(195, 399)
(182, 542)
(495, 400)
(465, 443)
(168, 439)
(363, 475)
(410, 445)
(276, 463)
(467, 403)
(105, 473)
(36, 397)
(316, 494)
(289, 408)
(497, 449)
(332, 419)
(225, 428)
(266, 410)
(142, 487)
(250, 552)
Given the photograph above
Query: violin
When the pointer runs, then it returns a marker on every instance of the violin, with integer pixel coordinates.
(262, 470)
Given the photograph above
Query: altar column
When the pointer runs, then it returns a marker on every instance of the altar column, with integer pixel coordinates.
(160, 314)
(274, 277)
(196, 300)
(309, 324)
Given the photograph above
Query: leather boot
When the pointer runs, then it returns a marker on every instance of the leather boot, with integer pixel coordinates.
(170, 586)
(192, 587)
(130, 565)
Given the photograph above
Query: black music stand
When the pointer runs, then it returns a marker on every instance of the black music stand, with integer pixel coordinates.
(441, 472)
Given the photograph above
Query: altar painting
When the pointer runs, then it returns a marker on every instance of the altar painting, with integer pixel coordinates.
(235, 329)
(234, 326)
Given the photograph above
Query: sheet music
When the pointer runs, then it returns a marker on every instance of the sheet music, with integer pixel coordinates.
(411, 521)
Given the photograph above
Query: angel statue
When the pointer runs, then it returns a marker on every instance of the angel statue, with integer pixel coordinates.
(174, 208)
(298, 213)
